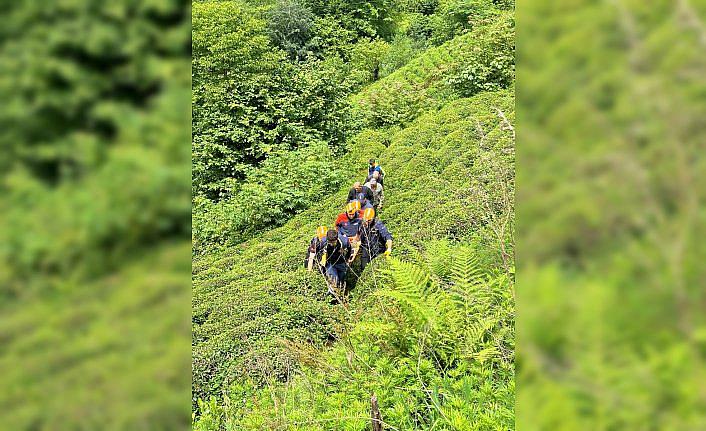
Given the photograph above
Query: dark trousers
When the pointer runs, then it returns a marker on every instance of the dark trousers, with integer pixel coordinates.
(367, 255)
(336, 272)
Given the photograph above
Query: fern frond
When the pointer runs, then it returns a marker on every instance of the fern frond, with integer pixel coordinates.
(466, 273)
(413, 301)
(408, 277)
(438, 256)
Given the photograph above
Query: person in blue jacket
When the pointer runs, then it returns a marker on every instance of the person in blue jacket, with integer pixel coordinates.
(372, 168)
(335, 257)
(375, 239)
(361, 194)
(316, 249)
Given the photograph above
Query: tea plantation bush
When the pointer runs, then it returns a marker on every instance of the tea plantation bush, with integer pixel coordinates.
(434, 343)
(250, 297)
(482, 60)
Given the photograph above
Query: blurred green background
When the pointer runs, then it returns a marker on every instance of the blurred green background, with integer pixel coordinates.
(95, 215)
(610, 109)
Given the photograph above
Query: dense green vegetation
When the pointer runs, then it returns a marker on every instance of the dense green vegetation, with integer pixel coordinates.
(611, 215)
(431, 332)
(255, 113)
(94, 214)
(436, 346)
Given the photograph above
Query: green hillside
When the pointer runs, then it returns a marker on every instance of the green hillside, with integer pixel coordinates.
(94, 215)
(263, 327)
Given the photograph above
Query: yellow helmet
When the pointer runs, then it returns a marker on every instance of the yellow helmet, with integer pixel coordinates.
(321, 231)
(368, 214)
(352, 207)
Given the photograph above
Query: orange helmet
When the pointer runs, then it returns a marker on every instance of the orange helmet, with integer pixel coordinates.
(352, 207)
(368, 214)
(321, 231)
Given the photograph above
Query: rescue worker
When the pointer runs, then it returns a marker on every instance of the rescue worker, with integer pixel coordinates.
(316, 249)
(378, 195)
(334, 258)
(375, 239)
(362, 194)
(348, 224)
(372, 168)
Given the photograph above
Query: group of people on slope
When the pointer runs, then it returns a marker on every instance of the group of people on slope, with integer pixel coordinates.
(357, 232)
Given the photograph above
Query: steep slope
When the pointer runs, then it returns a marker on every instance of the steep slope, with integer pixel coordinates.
(449, 173)
(449, 158)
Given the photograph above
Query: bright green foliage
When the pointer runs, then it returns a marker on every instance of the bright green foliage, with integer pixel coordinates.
(250, 102)
(437, 351)
(433, 22)
(612, 212)
(286, 183)
(84, 227)
(479, 61)
(402, 50)
(66, 85)
(92, 166)
(82, 359)
(365, 18)
(271, 352)
(290, 27)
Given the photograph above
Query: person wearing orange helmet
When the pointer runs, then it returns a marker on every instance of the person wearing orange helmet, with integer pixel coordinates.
(348, 224)
(315, 250)
(375, 239)
(334, 260)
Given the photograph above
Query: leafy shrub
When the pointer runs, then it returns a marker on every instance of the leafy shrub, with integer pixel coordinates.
(248, 102)
(286, 183)
(367, 19)
(402, 50)
(367, 58)
(480, 60)
(421, 28)
(490, 67)
(424, 7)
(290, 25)
(330, 38)
(434, 23)
(436, 348)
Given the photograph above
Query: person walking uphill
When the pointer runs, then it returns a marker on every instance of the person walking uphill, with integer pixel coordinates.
(316, 249)
(361, 194)
(375, 239)
(348, 225)
(335, 257)
(378, 195)
(372, 168)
